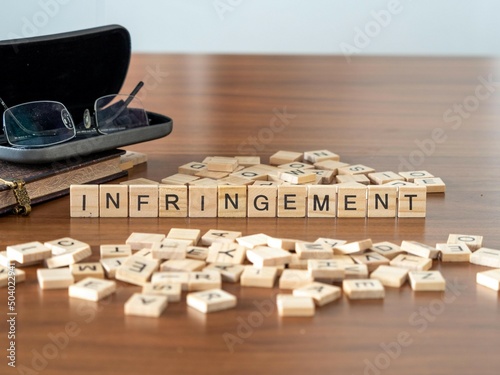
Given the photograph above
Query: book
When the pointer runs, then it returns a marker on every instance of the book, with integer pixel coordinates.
(52, 180)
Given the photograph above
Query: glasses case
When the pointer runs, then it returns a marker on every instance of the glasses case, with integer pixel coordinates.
(75, 69)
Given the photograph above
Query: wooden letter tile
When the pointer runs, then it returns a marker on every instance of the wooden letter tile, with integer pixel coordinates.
(202, 201)
(321, 201)
(363, 289)
(489, 279)
(292, 201)
(204, 280)
(486, 257)
(294, 306)
(433, 185)
(412, 175)
(113, 200)
(185, 234)
(291, 279)
(60, 278)
(173, 201)
(412, 201)
(321, 293)
(419, 249)
(353, 247)
(390, 276)
(82, 270)
(197, 252)
(387, 249)
(222, 164)
(427, 281)
(192, 168)
(229, 253)
(371, 259)
(211, 300)
(92, 289)
(259, 277)
(28, 252)
(182, 265)
(171, 290)
(66, 251)
(412, 262)
(215, 235)
(454, 252)
(170, 249)
(380, 178)
(351, 201)
(356, 169)
(253, 240)
(474, 242)
(115, 251)
(146, 305)
(382, 201)
(143, 200)
(19, 276)
(262, 201)
(136, 270)
(84, 201)
(181, 278)
(232, 201)
(312, 250)
(267, 256)
(325, 269)
(284, 157)
(355, 271)
(320, 155)
(110, 265)
(230, 273)
(179, 179)
(139, 241)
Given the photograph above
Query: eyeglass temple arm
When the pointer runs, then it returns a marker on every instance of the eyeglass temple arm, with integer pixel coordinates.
(5, 108)
(133, 93)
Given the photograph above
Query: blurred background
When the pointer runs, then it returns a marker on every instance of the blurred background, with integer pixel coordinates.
(387, 27)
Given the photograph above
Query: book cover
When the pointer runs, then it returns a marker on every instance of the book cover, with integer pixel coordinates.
(48, 181)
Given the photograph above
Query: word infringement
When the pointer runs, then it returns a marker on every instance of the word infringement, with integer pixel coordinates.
(327, 201)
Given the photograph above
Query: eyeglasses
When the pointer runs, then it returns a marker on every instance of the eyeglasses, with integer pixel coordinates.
(46, 123)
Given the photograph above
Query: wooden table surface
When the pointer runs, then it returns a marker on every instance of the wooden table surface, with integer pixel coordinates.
(437, 114)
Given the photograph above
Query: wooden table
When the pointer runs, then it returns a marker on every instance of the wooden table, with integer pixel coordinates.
(436, 114)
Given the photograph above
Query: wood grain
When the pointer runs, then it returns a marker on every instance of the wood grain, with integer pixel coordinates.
(375, 111)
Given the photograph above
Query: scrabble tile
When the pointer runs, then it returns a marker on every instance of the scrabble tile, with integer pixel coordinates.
(382, 201)
(433, 185)
(135, 158)
(321, 293)
(148, 255)
(326, 177)
(204, 280)
(222, 164)
(19, 276)
(202, 201)
(236, 181)
(230, 273)
(359, 178)
(325, 269)
(427, 281)
(486, 257)
(212, 300)
(380, 178)
(294, 306)
(412, 175)
(139, 241)
(291, 279)
(330, 165)
(371, 259)
(179, 179)
(489, 279)
(146, 305)
(197, 252)
(110, 265)
(296, 263)
(261, 256)
(84, 200)
(411, 262)
(28, 252)
(390, 276)
(143, 200)
(283, 157)
(312, 250)
(113, 200)
(181, 278)
(206, 182)
(297, 176)
(136, 270)
(115, 251)
(192, 168)
(170, 249)
(216, 235)
(213, 175)
(230, 253)
(332, 242)
(321, 201)
(419, 249)
(263, 277)
(355, 271)
(232, 201)
(253, 240)
(282, 243)
(474, 242)
(139, 181)
(5, 261)
(81, 271)
(66, 251)
(353, 247)
(454, 252)
(171, 290)
(412, 201)
(363, 289)
(292, 201)
(182, 265)
(59, 278)
(252, 174)
(351, 201)
(387, 249)
(320, 155)
(296, 165)
(92, 289)
(399, 183)
(262, 201)
(248, 161)
(172, 201)
(184, 234)
(356, 169)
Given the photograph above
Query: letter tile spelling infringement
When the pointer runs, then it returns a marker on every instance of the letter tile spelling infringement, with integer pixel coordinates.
(295, 184)
(361, 269)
